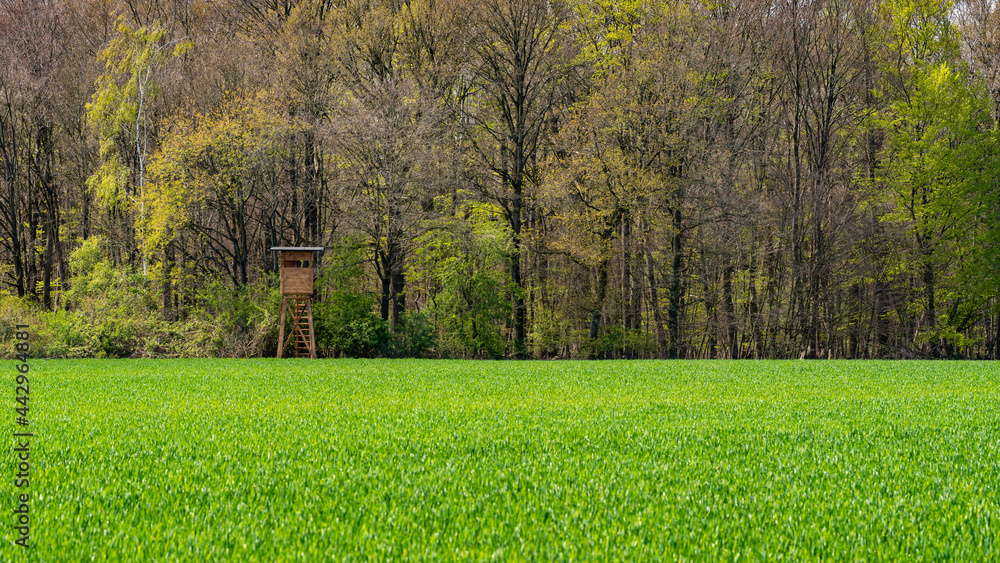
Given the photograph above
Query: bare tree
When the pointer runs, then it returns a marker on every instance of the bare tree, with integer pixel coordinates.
(383, 138)
(519, 80)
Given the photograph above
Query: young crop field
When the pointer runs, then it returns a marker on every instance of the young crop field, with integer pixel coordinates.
(299, 460)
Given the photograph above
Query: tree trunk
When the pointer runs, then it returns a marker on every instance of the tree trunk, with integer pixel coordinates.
(49, 207)
(854, 337)
(30, 257)
(674, 306)
(398, 290)
(711, 316)
(167, 284)
(627, 297)
(520, 319)
(595, 315)
(242, 256)
(61, 269)
(753, 312)
(996, 338)
(383, 268)
(311, 203)
(727, 302)
(47, 270)
(636, 292)
(654, 300)
(384, 302)
(86, 198)
(929, 290)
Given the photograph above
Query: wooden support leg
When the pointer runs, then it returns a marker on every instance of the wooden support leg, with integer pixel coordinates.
(281, 327)
(293, 336)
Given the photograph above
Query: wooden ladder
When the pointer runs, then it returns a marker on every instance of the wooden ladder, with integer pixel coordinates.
(302, 326)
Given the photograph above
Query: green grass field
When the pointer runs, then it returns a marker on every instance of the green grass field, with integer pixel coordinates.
(268, 460)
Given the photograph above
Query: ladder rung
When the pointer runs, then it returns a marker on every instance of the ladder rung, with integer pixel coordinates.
(300, 313)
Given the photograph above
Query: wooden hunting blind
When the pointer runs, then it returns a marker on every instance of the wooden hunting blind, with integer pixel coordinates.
(296, 267)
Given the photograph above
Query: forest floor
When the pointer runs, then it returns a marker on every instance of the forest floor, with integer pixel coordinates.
(268, 460)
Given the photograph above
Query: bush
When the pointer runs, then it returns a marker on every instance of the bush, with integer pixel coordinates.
(551, 333)
(69, 335)
(343, 321)
(473, 309)
(117, 338)
(364, 337)
(114, 312)
(616, 342)
(344, 325)
(414, 337)
(13, 312)
(238, 322)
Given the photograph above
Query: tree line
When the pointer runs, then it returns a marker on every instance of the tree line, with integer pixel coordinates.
(507, 178)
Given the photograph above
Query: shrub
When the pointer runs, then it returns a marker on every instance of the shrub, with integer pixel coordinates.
(238, 322)
(16, 311)
(117, 338)
(343, 320)
(466, 265)
(364, 337)
(69, 335)
(413, 337)
(345, 325)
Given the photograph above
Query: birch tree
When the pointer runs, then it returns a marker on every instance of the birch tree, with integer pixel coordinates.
(119, 113)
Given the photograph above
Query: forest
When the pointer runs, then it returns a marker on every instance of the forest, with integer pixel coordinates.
(504, 178)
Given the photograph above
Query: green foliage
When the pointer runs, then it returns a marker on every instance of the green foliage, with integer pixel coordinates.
(349, 328)
(114, 313)
(606, 30)
(552, 334)
(16, 311)
(464, 262)
(71, 336)
(279, 460)
(365, 336)
(58, 334)
(614, 341)
(240, 322)
(218, 161)
(343, 319)
(93, 274)
(947, 333)
(87, 256)
(939, 148)
(413, 337)
(109, 317)
(920, 32)
(939, 156)
(118, 338)
(108, 308)
(119, 107)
